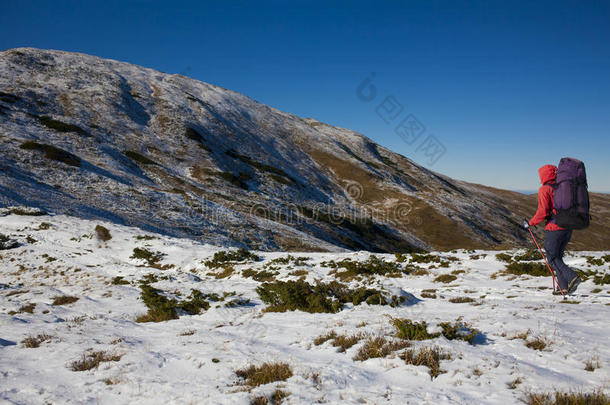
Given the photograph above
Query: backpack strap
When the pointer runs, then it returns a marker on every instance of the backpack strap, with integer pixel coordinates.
(553, 211)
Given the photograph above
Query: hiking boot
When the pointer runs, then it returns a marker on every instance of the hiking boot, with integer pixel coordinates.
(573, 285)
(557, 291)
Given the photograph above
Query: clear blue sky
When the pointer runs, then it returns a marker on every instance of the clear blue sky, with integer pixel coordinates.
(505, 86)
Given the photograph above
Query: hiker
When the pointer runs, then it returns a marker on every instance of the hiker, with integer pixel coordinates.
(556, 238)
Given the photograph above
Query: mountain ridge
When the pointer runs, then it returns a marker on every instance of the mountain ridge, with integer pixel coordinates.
(190, 159)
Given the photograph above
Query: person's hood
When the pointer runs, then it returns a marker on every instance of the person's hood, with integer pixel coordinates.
(547, 173)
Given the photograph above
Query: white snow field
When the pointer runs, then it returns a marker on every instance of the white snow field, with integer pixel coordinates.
(194, 359)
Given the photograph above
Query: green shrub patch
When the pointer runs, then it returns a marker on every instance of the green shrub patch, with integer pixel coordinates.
(262, 275)
(529, 255)
(233, 256)
(152, 258)
(409, 330)
(372, 266)
(161, 308)
(329, 297)
(531, 269)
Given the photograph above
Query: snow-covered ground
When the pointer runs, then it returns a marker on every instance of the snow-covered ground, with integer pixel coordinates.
(193, 359)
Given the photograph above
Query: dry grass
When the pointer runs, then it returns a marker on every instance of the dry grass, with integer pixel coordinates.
(426, 356)
(64, 300)
(92, 360)
(324, 338)
(35, 341)
(514, 383)
(592, 364)
(537, 343)
(445, 278)
(344, 342)
(460, 300)
(568, 398)
(379, 346)
(522, 335)
(265, 374)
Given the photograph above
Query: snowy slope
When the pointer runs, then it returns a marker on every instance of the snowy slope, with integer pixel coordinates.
(193, 359)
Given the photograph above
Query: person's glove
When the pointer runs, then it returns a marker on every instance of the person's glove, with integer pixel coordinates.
(525, 224)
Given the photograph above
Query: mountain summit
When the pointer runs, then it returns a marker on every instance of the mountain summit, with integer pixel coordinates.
(97, 138)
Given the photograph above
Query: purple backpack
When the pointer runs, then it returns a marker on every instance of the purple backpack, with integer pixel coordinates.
(571, 198)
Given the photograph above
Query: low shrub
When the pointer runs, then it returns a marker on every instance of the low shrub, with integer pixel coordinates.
(425, 258)
(152, 258)
(53, 153)
(262, 275)
(233, 256)
(139, 158)
(594, 261)
(194, 135)
(528, 255)
(61, 126)
(161, 308)
(530, 269)
(330, 297)
(409, 330)
(373, 266)
(459, 331)
(265, 374)
(7, 243)
(297, 261)
(503, 257)
(426, 356)
(602, 280)
(118, 280)
(103, 233)
(26, 211)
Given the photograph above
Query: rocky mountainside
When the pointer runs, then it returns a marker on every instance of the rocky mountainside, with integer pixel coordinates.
(97, 138)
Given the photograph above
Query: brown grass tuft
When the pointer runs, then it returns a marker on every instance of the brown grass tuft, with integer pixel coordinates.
(568, 398)
(265, 374)
(537, 343)
(379, 346)
(93, 360)
(35, 341)
(427, 356)
(64, 300)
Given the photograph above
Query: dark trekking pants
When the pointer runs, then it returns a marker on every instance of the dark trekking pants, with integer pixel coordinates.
(555, 243)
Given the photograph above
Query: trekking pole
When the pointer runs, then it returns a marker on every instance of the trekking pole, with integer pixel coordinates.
(547, 264)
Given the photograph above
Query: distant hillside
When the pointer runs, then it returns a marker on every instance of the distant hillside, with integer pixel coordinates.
(98, 138)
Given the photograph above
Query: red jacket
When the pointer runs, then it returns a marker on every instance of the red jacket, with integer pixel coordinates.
(545, 198)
